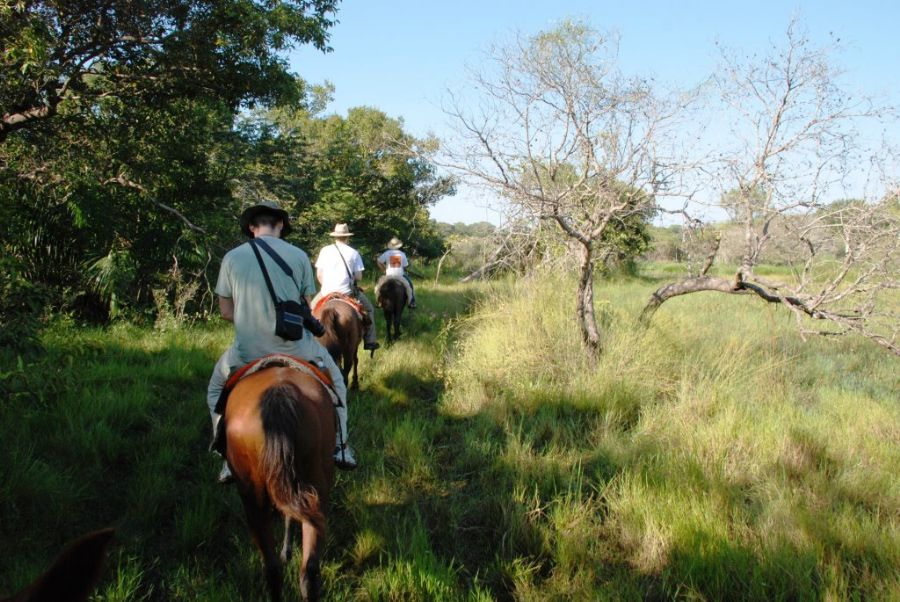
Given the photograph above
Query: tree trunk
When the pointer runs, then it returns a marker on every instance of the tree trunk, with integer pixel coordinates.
(590, 334)
(493, 261)
(440, 263)
(688, 285)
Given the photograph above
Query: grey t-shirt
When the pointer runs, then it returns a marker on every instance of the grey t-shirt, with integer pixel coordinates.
(241, 280)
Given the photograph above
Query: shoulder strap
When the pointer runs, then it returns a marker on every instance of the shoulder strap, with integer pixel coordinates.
(346, 267)
(262, 265)
(281, 262)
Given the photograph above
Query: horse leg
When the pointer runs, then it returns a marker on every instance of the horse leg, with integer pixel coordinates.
(261, 531)
(345, 371)
(349, 367)
(310, 571)
(387, 320)
(286, 545)
(355, 365)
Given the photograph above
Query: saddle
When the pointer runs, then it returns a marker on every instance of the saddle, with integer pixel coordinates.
(267, 361)
(352, 302)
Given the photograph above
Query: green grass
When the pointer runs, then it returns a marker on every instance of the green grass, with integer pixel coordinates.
(717, 456)
(711, 456)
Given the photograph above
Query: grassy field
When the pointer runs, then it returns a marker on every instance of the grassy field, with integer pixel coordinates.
(712, 456)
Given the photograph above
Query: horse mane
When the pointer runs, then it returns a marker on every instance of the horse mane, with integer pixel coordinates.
(281, 417)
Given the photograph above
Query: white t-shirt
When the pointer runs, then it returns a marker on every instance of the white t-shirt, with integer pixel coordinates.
(394, 262)
(335, 278)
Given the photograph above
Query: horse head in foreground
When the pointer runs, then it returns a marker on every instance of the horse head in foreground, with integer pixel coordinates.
(344, 322)
(280, 432)
(393, 296)
(74, 573)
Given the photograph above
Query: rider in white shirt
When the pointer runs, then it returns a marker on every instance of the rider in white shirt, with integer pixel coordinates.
(393, 262)
(339, 268)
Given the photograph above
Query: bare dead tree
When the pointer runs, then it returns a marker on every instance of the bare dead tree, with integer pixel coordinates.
(797, 144)
(517, 245)
(563, 137)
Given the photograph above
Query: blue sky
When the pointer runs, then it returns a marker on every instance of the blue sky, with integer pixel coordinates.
(401, 56)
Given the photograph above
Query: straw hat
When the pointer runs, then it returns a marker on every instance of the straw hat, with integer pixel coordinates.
(270, 207)
(341, 231)
(395, 243)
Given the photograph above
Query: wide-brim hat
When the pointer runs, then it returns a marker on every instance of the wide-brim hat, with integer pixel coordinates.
(341, 231)
(270, 207)
(395, 243)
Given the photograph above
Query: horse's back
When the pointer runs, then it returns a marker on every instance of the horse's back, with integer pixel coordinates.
(249, 390)
(391, 293)
(245, 413)
(243, 408)
(343, 325)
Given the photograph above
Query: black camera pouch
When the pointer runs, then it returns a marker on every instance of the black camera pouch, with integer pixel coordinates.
(289, 320)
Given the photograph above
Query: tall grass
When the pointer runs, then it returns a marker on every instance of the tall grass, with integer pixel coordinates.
(712, 456)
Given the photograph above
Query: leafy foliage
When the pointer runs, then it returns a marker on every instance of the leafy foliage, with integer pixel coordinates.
(21, 309)
(116, 139)
(59, 54)
(361, 169)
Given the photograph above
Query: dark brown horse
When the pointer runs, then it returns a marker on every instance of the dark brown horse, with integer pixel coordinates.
(343, 333)
(279, 425)
(392, 299)
(74, 573)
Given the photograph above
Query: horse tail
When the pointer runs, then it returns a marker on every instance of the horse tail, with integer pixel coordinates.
(336, 326)
(278, 464)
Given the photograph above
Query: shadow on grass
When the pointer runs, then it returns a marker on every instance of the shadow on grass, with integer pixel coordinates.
(101, 433)
(508, 496)
(510, 501)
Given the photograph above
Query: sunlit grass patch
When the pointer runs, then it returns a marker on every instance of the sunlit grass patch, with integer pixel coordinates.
(128, 583)
(732, 457)
(416, 573)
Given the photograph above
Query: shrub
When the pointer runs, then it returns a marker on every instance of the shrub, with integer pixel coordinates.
(22, 306)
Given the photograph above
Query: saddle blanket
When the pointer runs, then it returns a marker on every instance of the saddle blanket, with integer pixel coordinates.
(277, 359)
(356, 305)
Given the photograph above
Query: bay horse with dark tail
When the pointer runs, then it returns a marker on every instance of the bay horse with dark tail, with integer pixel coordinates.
(280, 432)
(392, 298)
(343, 320)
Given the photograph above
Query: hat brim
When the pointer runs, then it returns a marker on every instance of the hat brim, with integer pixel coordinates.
(341, 235)
(251, 212)
(395, 247)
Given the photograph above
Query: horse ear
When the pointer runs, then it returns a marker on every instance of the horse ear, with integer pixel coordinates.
(74, 573)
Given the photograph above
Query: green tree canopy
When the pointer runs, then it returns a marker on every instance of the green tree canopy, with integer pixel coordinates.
(73, 53)
(117, 146)
(362, 169)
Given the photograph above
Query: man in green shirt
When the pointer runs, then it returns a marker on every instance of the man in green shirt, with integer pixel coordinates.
(245, 300)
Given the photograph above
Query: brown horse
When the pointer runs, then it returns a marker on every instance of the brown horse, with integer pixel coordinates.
(343, 333)
(280, 430)
(392, 299)
(74, 573)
